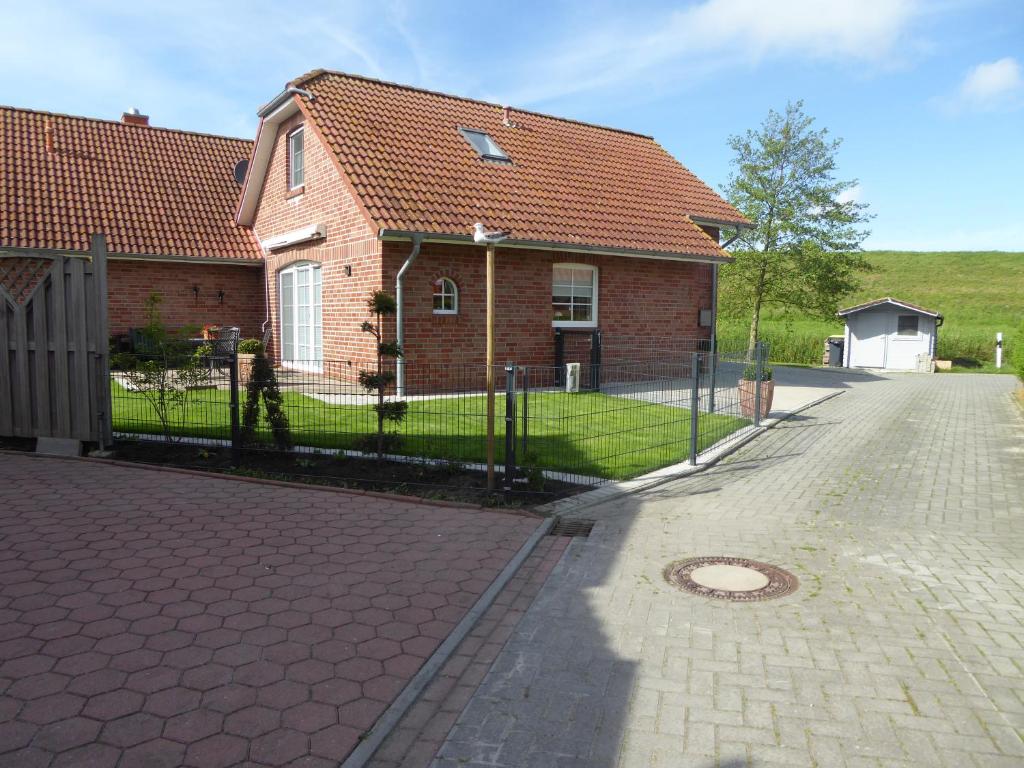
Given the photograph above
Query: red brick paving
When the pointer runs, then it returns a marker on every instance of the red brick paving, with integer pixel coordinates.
(157, 618)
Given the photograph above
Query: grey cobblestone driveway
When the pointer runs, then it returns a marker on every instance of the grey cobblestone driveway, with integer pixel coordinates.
(900, 505)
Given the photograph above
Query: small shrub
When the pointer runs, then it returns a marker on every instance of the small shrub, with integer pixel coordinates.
(750, 373)
(533, 473)
(167, 374)
(203, 351)
(250, 346)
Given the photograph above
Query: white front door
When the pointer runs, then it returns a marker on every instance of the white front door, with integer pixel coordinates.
(301, 292)
(868, 334)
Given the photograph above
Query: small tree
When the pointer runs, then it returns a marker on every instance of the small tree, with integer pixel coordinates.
(382, 304)
(164, 371)
(263, 384)
(803, 253)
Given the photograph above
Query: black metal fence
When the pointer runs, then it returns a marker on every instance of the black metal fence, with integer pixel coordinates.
(613, 421)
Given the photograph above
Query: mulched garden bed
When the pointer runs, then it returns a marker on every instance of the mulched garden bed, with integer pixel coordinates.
(450, 482)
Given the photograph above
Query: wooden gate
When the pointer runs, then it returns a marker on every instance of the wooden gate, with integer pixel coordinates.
(54, 358)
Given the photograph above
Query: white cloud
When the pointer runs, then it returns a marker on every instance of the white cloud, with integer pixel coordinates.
(713, 34)
(854, 194)
(991, 84)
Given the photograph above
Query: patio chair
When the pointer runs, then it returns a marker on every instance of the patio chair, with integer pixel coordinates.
(224, 346)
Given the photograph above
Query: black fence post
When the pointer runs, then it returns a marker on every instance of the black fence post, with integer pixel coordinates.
(510, 425)
(559, 357)
(236, 428)
(595, 360)
(713, 370)
(526, 407)
(694, 407)
(758, 368)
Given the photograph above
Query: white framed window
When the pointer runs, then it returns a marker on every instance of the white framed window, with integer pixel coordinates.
(446, 297)
(300, 292)
(296, 161)
(574, 296)
(907, 325)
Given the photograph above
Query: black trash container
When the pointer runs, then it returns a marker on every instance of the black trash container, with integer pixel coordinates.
(835, 352)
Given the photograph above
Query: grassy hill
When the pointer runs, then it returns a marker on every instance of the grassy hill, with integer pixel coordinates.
(978, 292)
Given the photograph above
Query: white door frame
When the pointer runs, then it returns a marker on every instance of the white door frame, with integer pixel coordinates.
(300, 319)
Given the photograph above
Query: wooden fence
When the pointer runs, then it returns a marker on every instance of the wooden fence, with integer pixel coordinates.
(54, 356)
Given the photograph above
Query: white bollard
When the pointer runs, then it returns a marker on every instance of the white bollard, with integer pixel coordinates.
(999, 350)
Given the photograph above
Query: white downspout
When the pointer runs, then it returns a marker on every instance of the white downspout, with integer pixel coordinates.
(417, 241)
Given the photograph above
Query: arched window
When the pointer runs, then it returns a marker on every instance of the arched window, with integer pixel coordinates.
(446, 297)
(300, 290)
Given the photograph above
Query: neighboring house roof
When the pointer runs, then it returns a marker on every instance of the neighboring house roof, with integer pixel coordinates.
(568, 182)
(887, 300)
(151, 191)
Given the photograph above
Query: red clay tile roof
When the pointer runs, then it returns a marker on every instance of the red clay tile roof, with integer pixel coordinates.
(151, 191)
(569, 182)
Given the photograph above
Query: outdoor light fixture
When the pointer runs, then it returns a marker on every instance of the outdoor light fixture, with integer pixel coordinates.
(195, 292)
(220, 296)
(348, 270)
(490, 239)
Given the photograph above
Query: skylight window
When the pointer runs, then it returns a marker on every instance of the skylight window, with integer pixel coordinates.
(484, 145)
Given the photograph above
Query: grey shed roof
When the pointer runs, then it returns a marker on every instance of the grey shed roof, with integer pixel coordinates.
(887, 300)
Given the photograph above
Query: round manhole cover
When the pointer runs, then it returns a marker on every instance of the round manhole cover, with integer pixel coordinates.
(731, 578)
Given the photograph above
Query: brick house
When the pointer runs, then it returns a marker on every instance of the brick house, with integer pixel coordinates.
(165, 199)
(357, 184)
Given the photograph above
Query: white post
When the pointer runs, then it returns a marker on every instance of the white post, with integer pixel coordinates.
(999, 350)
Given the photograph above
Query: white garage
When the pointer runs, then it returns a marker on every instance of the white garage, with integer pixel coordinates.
(890, 334)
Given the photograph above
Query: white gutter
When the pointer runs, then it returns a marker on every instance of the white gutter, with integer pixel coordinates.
(547, 245)
(281, 99)
(417, 241)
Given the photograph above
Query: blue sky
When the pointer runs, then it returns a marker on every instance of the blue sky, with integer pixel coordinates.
(928, 96)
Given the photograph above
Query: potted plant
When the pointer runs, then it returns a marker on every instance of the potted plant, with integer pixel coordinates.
(211, 332)
(247, 351)
(748, 390)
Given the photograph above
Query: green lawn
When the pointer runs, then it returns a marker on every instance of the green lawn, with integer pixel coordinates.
(978, 293)
(586, 433)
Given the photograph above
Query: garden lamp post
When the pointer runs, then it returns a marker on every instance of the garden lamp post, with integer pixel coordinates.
(480, 235)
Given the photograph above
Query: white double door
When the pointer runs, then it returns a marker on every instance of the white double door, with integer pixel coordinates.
(301, 291)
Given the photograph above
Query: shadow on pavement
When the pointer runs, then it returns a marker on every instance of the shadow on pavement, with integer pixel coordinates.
(829, 378)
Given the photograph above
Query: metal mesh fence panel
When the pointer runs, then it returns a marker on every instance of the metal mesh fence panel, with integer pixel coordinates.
(615, 420)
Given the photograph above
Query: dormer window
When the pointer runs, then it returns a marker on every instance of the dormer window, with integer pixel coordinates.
(296, 164)
(484, 145)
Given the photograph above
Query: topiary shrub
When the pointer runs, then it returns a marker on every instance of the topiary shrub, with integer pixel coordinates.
(263, 384)
(382, 304)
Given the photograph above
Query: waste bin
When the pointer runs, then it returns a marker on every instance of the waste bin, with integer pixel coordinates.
(835, 351)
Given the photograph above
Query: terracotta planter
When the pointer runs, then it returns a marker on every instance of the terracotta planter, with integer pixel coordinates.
(748, 397)
(245, 369)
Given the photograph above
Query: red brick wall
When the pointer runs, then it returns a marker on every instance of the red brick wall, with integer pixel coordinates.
(349, 241)
(130, 283)
(637, 298)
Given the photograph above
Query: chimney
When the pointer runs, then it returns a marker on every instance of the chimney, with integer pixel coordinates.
(134, 117)
(505, 119)
(48, 133)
